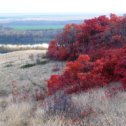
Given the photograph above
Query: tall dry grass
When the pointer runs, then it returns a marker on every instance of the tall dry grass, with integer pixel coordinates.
(94, 108)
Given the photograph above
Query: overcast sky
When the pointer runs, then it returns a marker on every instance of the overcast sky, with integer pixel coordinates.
(63, 6)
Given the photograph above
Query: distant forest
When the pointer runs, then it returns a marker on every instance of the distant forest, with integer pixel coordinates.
(12, 36)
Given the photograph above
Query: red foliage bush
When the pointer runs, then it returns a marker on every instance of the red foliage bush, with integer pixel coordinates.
(83, 74)
(98, 48)
(89, 36)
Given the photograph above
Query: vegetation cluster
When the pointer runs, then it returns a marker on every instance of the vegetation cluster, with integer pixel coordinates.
(96, 55)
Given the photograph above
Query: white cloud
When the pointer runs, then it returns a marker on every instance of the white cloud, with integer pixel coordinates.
(62, 6)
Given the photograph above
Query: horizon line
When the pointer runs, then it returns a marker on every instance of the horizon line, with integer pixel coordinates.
(57, 13)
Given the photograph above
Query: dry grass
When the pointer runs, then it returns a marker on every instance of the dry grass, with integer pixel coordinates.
(105, 111)
(94, 107)
(11, 69)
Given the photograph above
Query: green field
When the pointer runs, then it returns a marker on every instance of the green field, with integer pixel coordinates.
(36, 27)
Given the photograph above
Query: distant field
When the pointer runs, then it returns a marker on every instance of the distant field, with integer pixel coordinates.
(36, 27)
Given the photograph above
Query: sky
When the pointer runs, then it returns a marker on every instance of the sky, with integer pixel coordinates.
(62, 6)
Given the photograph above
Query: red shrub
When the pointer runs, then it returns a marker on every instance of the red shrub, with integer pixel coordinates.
(97, 47)
(53, 49)
(82, 74)
(91, 35)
